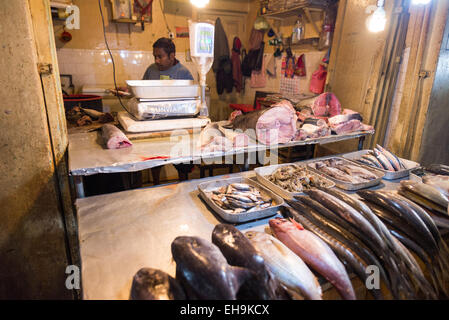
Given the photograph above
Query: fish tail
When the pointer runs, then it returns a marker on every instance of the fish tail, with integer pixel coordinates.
(439, 278)
(443, 276)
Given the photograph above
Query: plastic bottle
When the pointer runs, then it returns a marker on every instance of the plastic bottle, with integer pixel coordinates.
(298, 30)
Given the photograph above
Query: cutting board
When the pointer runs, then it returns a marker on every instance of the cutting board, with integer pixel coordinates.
(134, 126)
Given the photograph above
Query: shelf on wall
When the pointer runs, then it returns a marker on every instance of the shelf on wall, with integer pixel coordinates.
(125, 21)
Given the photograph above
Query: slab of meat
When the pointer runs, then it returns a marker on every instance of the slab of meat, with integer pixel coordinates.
(342, 118)
(350, 126)
(273, 125)
(114, 138)
(214, 138)
(349, 121)
(326, 105)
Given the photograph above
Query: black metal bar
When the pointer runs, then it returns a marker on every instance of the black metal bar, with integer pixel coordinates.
(361, 141)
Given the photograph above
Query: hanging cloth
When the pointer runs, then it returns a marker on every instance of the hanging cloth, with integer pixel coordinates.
(221, 47)
(258, 78)
(300, 70)
(222, 65)
(236, 64)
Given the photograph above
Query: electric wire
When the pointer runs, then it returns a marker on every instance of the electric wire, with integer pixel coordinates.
(165, 18)
(112, 58)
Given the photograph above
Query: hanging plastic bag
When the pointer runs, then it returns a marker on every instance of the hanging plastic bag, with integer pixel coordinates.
(261, 24)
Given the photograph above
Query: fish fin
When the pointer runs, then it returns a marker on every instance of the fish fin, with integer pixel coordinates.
(297, 224)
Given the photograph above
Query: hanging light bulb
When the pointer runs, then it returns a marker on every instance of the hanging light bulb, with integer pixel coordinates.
(199, 3)
(376, 22)
(418, 2)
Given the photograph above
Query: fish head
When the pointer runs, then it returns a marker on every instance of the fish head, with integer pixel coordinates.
(281, 225)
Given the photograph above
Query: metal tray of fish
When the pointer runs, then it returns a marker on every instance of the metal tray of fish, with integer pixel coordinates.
(262, 172)
(389, 175)
(347, 185)
(207, 187)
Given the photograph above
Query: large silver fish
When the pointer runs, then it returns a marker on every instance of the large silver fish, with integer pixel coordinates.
(427, 191)
(438, 181)
(315, 252)
(285, 265)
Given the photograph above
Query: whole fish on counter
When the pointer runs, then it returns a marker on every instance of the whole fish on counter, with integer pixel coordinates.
(348, 213)
(415, 221)
(439, 169)
(240, 197)
(294, 178)
(427, 191)
(154, 284)
(315, 252)
(285, 265)
(203, 270)
(438, 181)
(423, 202)
(399, 253)
(392, 202)
(371, 236)
(408, 236)
(343, 249)
(239, 252)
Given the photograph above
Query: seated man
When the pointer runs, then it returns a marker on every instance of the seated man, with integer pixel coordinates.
(166, 66)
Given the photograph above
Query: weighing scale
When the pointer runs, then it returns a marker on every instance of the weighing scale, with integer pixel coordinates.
(162, 105)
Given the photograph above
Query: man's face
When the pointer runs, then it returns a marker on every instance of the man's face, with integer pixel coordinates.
(162, 59)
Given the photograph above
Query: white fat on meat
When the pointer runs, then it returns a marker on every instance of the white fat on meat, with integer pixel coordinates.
(277, 125)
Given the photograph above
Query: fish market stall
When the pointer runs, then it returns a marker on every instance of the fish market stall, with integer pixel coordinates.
(123, 232)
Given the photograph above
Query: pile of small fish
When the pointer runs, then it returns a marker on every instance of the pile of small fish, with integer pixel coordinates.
(343, 170)
(295, 178)
(240, 198)
(381, 229)
(383, 159)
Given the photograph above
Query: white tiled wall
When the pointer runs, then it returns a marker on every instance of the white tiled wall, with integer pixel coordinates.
(94, 67)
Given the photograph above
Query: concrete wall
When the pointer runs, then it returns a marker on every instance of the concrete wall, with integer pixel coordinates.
(435, 137)
(33, 251)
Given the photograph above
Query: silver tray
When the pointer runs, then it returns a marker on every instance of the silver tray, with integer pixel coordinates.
(346, 185)
(167, 89)
(389, 175)
(150, 110)
(261, 172)
(244, 216)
